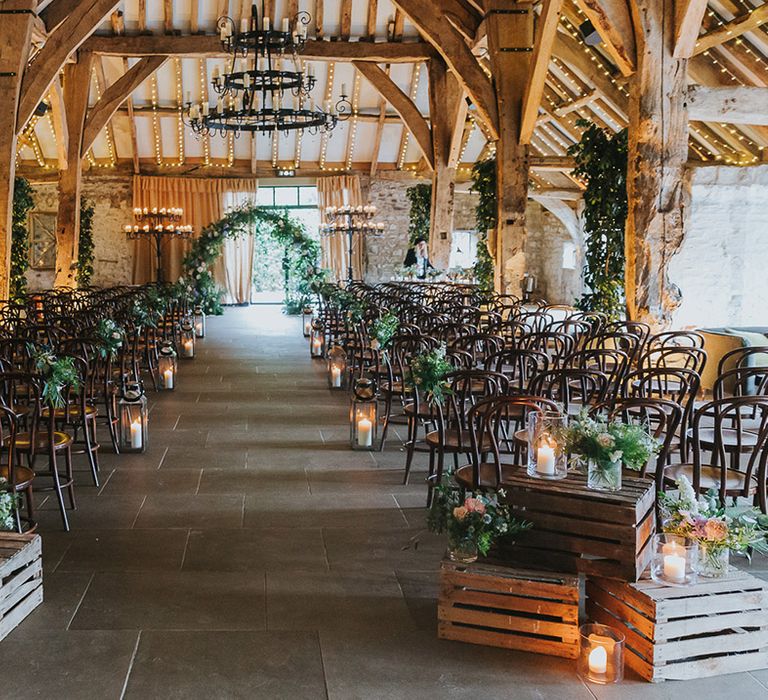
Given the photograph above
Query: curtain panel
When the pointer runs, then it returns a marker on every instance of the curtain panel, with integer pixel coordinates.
(204, 201)
(337, 191)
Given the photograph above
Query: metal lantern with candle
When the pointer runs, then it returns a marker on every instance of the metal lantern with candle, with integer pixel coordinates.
(317, 339)
(307, 314)
(199, 318)
(674, 560)
(364, 415)
(337, 368)
(132, 419)
(546, 445)
(601, 654)
(187, 339)
(167, 366)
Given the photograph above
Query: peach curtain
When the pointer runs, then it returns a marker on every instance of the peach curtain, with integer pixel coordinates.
(203, 201)
(336, 191)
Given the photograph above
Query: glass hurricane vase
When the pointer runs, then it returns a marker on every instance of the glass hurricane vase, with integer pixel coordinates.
(604, 476)
(462, 549)
(713, 560)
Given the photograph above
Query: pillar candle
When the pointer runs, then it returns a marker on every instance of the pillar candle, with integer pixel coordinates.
(136, 435)
(364, 432)
(168, 378)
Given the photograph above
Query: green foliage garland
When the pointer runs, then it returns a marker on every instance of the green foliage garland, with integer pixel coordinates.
(58, 373)
(22, 203)
(601, 160)
(484, 183)
(85, 254)
(300, 260)
(420, 197)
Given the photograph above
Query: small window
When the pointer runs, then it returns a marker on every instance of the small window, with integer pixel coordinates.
(286, 196)
(308, 196)
(265, 196)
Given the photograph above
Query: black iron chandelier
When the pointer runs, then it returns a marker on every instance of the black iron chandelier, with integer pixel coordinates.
(255, 95)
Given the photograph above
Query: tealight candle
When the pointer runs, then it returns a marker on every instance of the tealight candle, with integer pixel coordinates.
(598, 661)
(168, 379)
(136, 435)
(364, 432)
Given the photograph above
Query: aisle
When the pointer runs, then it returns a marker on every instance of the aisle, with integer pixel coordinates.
(251, 554)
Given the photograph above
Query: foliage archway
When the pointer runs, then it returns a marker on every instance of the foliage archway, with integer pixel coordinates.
(299, 260)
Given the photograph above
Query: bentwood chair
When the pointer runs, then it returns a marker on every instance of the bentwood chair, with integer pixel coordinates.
(17, 478)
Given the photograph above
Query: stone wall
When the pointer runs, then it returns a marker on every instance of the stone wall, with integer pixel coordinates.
(721, 266)
(547, 240)
(112, 196)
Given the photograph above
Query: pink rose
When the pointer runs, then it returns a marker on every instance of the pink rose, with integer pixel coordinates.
(474, 505)
(460, 512)
(715, 530)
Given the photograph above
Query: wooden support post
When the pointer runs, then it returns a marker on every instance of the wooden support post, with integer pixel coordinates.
(657, 186)
(510, 43)
(445, 98)
(77, 82)
(15, 40)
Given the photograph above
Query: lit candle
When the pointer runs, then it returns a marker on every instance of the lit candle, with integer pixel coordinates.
(168, 378)
(674, 568)
(223, 33)
(307, 326)
(545, 460)
(189, 348)
(317, 345)
(136, 435)
(244, 24)
(286, 25)
(673, 548)
(215, 75)
(265, 24)
(598, 661)
(344, 89)
(336, 377)
(364, 432)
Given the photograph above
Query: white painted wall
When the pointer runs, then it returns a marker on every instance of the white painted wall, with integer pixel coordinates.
(722, 266)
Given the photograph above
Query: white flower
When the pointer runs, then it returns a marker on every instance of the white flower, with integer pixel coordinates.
(687, 494)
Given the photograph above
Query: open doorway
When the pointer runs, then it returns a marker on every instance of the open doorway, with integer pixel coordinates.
(268, 279)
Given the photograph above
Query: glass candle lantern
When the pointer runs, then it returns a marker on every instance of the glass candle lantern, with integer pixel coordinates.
(601, 654)
(364, 416)
(199, 319)
(546, 445)
(167, 367)
(132, 419)
(187, 340)
(317, 339)
(337, 368)
(675, 560)
(307, 314)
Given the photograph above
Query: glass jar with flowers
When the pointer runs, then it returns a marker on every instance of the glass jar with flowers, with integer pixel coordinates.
(606, 446)
(717, 529)
(473, 522)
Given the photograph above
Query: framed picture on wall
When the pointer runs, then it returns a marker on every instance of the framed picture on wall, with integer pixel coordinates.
(42, 240)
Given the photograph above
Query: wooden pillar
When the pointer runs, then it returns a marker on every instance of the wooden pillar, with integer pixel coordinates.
(510, 43)
(77, 82)
(445, 96)
(16, 18)
(657, 184)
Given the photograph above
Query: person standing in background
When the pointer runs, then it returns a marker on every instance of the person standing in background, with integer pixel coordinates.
(418, 256)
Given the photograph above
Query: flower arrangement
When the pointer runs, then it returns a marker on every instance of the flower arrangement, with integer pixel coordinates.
(110, 337)
(428, 373)
(9, 502)
(474, 521)
(383, 330)
(717, 529)
(57, 373)
(606, 444)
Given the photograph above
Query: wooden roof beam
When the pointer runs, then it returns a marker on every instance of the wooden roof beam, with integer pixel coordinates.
(59, 121)
(613, 22)
(448, 41)
(735, 28)
(115, 95)
(80, 23)
(402, 104)
(546, 31)
(688, 17)
(730, 105)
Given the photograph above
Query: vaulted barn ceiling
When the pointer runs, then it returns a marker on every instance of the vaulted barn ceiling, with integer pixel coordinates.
(146, 133)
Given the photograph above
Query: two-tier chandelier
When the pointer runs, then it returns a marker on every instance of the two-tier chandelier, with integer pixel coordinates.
(256, 93)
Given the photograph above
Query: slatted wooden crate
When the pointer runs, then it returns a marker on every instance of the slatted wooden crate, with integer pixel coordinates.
(576, 529)
(714, 627)
(509, 608)
(21, 578)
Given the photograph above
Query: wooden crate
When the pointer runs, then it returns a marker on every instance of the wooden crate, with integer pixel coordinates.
(708, 629)
(21, 578)
(576, 529)
(509, 608)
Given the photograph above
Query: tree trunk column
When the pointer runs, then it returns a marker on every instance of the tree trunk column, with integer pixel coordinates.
(16, 17)
(658, 186)
(77, 81)
(510, 42)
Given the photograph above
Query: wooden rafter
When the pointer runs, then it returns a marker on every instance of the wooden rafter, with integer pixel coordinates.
(132, 127)
(736, 27)
(542, 50)
(732, 105)
(612, 20)
(142, 18)
(449, 42)
(318, 14)
(688, 16)
(59, 120)
(379, 130)
(101, 86)
(402, 104)
(345, 20)
(370, 25)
